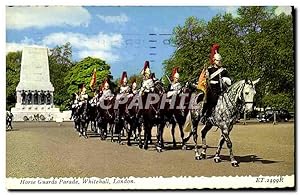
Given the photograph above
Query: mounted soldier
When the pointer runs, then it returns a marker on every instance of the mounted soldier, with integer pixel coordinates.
(133, 88)
(121, 110)
(83, 96)
(124, 87)
(106, 92)
(217, 79)
(78, 99)
(148, 84)
(175, 86)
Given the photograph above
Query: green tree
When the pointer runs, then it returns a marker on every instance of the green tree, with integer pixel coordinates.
(192, 49)
(137, 77)
(60, 63)
(82, 72)
(13, 66)
(256, 43)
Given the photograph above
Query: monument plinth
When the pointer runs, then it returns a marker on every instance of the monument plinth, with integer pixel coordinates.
(35, 91)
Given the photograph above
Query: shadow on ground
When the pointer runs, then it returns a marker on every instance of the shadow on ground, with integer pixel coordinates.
(247, 159)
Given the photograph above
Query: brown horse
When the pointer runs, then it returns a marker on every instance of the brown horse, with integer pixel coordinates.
(151, 114)
(105, 118)
(175, 114)
(133, 119)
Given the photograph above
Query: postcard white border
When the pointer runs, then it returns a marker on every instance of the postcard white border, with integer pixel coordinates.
(144, 183)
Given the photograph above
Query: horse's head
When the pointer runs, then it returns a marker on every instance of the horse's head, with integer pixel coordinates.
(247, 94)
(159, 87)
(189, 87)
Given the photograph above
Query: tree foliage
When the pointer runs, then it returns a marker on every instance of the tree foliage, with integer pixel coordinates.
(81, 73)
(256, 43)
(13, 66)
(60, 62)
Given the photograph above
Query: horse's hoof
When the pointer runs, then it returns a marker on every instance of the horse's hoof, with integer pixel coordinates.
(234, 164)
(202, 156)
(85, 137)
(146, 147)
(128, 144)
(159, 149)
(217, 159)
(198, 157)
(185, 140)
(183, 147)
(141, 146)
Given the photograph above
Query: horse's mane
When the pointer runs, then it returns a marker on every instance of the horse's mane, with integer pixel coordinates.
(235, 90)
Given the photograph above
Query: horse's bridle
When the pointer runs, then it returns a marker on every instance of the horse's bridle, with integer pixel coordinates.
(243, 100)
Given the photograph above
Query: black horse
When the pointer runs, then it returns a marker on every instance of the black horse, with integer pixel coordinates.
(82, 118)
(176, 114)
(92, 112)
(133, 120)
(105, 118)
(151, 114)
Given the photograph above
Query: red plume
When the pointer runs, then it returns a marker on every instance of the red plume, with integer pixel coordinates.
(124, 74)
(214, 49)
(103, 83)
(146, 65)
(175, 69)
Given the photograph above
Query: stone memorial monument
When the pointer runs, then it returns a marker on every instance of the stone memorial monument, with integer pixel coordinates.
(35, 91)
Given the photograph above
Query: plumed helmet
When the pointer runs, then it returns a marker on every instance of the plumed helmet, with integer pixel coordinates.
(214, 50)
(146, 69)
(133, 81)
(106, 81)
(83, 90)
(175, 73)
(80, 86)
(124, 75)
(217, 56)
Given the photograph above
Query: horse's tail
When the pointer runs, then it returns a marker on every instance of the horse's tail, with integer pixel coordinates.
(188, 123)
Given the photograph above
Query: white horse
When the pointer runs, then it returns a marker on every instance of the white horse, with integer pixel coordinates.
(236, 99)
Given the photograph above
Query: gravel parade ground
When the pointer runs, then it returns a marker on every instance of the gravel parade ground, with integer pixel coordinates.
(49, 149)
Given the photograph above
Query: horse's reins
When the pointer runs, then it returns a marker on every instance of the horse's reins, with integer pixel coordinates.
(156, 110)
